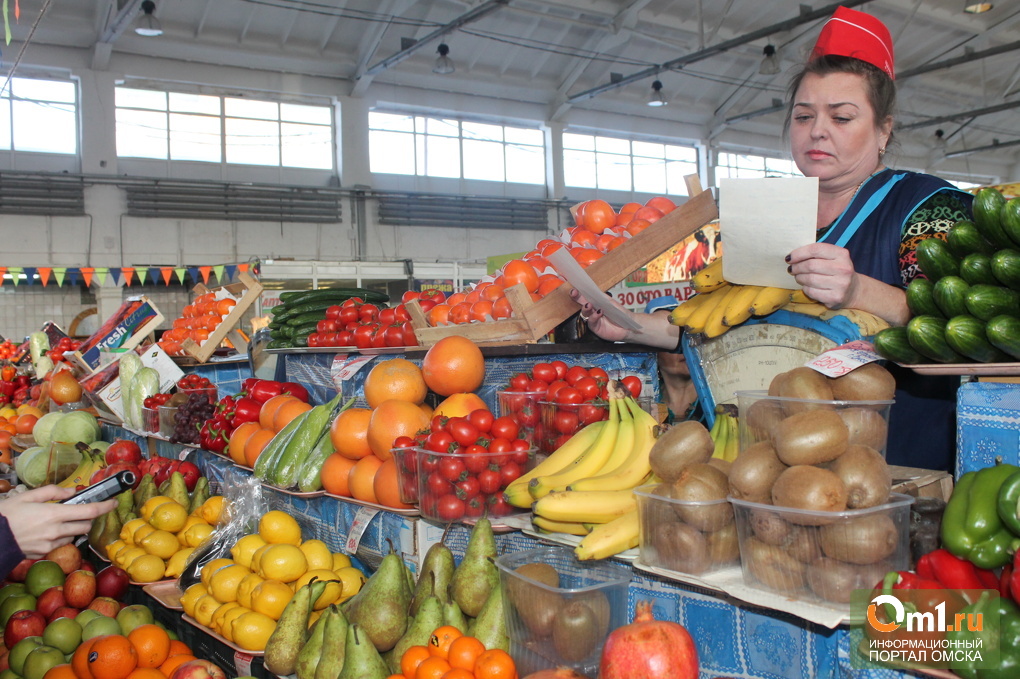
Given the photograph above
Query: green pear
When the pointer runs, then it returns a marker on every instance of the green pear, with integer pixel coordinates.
(430, 616)
(125, 504)
(178, 490)
(380, 607)
(145, 491)
(490, 625)
(436, 572)
(361, 659)
(477, 574)
(291, 630)
(334, 644)
(200, 494)
(311, 651)
(453, 616)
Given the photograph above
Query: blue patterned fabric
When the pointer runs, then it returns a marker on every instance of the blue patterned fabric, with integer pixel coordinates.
(987, 425)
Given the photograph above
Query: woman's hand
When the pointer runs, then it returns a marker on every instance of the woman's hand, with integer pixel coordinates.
(826, 274)
(599, 324)
(39, 525)
(653, 330)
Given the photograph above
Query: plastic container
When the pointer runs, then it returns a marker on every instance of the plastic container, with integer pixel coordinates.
(560, 422)
(760, 417)
(150, 420)
(407, 473)
(563, 620)
(523, 408)
(211, 392)
(461, 486)
(812, 556)
(167, 415)
(686, 537)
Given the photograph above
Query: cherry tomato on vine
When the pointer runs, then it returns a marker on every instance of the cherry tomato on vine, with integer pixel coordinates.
(589, 388)
(568, 396)
(481, 418)
(439, 441)
(462, 430)
(450, 507)
(544, 371)
(504, 428)
(452, 469)
(561, 369)
(519, 382)
(575, 374)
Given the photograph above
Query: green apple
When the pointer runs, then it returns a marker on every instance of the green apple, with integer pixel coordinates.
(42, 660)
(42, 575)
(98, 627)
(64, 634)
(11, 590)
(20, 651)
(15, 603)
(86, 616)
(9, 674)
(133, 616)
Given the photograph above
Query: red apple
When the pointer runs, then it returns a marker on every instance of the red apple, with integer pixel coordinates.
(50, 600)
(63, 612)
(66, 556)
(80, 588)
(112, 582)
(122, 450)
(19, 572)
(198, 669)
(23, 624)
(87, 566)
(104, 605)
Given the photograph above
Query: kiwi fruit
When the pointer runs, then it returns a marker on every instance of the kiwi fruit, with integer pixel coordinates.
(575, 631)
(761, 417)
(835, 580)
(678, 447)
(770, 527)
(721, 464)
(803, 544)
(776, 383)
(863, 540)
(866, 476)
(599, 604)
(773, 567)
(867, 427)
(753, 473)
(869, 382)
(702, 483)
(679, 547)
(535, 605)
(810, 437)
(809, 488)
(723, 545)
(808, 384)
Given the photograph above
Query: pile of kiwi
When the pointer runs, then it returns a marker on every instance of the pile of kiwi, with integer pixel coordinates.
(817, 448)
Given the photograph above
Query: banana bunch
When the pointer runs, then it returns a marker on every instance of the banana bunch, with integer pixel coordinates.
(91, 461)
(725, 434)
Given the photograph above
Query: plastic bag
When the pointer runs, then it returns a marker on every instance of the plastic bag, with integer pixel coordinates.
(244, 506)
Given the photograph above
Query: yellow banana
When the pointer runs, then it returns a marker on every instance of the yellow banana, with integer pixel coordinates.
(800, 297)
(631, 471)
(516, 492)
(696, 321)
(733, 442)
(720, 434)
(621, 447)
(738, 309)
(770, 299)
(611, 538)
(679, 315)
(82, 473)
(550, 526)
(807, 308)
(709, 278)
(587, 463)
(588, 506)
(868, 322)
(714, 325)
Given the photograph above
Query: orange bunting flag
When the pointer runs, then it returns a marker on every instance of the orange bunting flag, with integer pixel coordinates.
(125, 275)
(167, 272)
(3, 270)
(86, 274)
(44, 274)
(242, 267)
(205, 271)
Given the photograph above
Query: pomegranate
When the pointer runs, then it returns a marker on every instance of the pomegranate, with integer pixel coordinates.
(649, 648)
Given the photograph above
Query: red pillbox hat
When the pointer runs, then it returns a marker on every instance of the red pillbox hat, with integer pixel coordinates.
(849, 33)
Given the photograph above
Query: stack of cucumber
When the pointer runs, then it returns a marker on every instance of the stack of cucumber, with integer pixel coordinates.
(967, 309)
(298, 313)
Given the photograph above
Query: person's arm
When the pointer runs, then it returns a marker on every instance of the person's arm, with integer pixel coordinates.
(39, 525)
(655, 329)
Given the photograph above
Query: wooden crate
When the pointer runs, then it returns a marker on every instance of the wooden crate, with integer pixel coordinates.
(245, 291)
(534, 320)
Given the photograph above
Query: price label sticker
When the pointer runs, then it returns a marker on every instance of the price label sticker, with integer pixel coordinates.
(358, 527)
(345, 367)
(840, 360)
(242, 663)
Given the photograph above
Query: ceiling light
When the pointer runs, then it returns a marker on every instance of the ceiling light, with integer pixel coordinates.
(976, 7)
(444, 64)
(148, 25)
(769, 61)
(656, 99)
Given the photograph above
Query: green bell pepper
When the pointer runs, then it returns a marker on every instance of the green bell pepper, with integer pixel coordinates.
(1009, 503)
(1002, 633)
(971, 527)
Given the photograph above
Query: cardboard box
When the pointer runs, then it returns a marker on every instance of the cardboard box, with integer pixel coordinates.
(918, 482)
(103, 386)
(125, 329)
(987, 425)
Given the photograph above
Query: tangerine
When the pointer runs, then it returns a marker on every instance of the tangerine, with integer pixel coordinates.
(495, 664)
(386, 485)
(152, 645)
(411, 658)
(394, 378)
(112, 657)
(362, 479)
(598, 216)
(80, 659)
(335, 472)
(349, 433)
(145, 673)
(442, 637)
(255, 444)
(287, 412)
(238, 438)
(391, 420)
(518, 271)
(269, 408)
(453, 364)
(173, 662)
(62, 671)
(464, 651)
(432, 667)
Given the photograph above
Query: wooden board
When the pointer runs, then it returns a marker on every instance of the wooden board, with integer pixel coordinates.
(246, 292)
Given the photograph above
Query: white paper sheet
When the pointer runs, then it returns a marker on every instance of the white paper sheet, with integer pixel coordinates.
(761, 221)
(568, 267)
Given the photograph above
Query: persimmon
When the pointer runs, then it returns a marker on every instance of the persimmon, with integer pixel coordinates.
(580, 236)
(636, 226)
(630, 208)
(549, 283)
(598, 216)
(439, 315)
(661, 203)
(481, 310)
(501, 308)
(518, 271)
(652, 214)
(460, 313)
(492, 292)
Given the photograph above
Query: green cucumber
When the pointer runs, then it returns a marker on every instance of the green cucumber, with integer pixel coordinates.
(284, 473)
(976, 268)
(987, 207)
(299, 297)
(307, 317)
(927, 335)
(964, 239)
(309, 476)
(320, 305)
(304, 330)
(1009, 219)
(966, 335)
(921, 298)
(1006, 267)
(936, 259)
(1004, 334)
(280, 344)
(949, 296)
(266, 460)
(892, 343)
(989, 301)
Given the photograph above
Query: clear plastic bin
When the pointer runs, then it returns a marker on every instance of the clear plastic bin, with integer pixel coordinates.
(561, 421)
(150, 420)
(467, 486)
(407, 473)
(523, 407)
(686, 537)
(167, 415)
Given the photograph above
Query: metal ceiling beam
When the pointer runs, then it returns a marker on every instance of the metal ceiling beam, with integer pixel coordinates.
(990, 147)
(956, 61)
(701, 55)
(962, 114)
(466, 18)
(115, 26)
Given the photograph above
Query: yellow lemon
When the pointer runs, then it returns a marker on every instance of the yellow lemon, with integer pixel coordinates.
(221, 612)
(313, 617)
(175, 564)
(340, 561)
(256, 558)
(141, 532)
(146, 509)
(211, 510)
(114, 547)
(352, 580)
(330, 594)
(317, 554)
(211, 567)
(247, 586)
(160, 543)
(193, 594)
(227, 623)
(146, 568)
(197, 534)
(278, 527)
(223, 584)
(169, 516)
(252, 630)
(205, 607)
(244, 548)
(127, 531)
(270, 598)
(285, 563)
(127, 555)
(7, 412)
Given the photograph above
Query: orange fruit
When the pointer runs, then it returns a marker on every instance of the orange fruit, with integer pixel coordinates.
(412, 657)
(287, 412)
(394, 378)
(518, 271)
(636, 226)
(495, 664)
(62, 671)
(439, 315)
(269, 408)
(442, 637)
(548, 283)
(453, 364)
(178, 647)
(80, 659)
(390, 420)
(112, 657)
(464, 651)
(460, 405)
(580, 237)
(387, 487)
(458, 673)
(239, 437)
(145, 673)
(630, 208)
(481, 311)
(25, 423)
(501, 308)
(335, 472)
(661, 203)
(648, 212)
(255, 444)
(598, 216)
(349, 433)
(152, 645)
(587, 256)
(432, 667)
(361, 480)
(173, 662)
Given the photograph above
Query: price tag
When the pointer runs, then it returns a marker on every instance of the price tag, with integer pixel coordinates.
(242, 663)
(844, 358)
(358, 527)
(344, 368)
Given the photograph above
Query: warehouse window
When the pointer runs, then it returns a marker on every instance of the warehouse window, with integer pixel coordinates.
(214, 129)
(594, 162)
(745, 165)
(459, 149)
(39, 116)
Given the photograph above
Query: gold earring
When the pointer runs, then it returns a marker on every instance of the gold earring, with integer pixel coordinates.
(881, 152)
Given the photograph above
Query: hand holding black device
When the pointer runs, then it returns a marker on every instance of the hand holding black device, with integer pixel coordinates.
(104, 490)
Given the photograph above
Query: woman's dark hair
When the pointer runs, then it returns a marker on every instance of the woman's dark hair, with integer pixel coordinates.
(880, 87)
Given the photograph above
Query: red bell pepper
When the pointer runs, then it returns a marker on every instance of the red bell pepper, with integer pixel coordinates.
(245, 410)
(263, 390)
(295, 390)
(955, 573)
(1014, 578)
(7, 388)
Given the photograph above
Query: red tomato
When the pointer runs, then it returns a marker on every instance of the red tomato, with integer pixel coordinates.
(565, 421)
(482, 419)
(498, 506)
(379, 336)
(589, 388)
(345, 338)
(434, 295)
(600, 375)
(387, 316)
(551, 392)
(504, 427)
(463, 431)
(394, 336)
(407, 330)
(499, 445)
(402, 314)
(428, 463)
(363, 336)
(467, 488)
(538, 385)
(452, 469)
(488, 481)
(568, 396)
(575, 374)
(313, 340)
(474, 462)
(439, 441)
(589, 413)
(348, 314)
(633, 384)
(473, 509)
(403, 442)
(436, 485)
(519, 382)
(545, 372)
(561, 369)
(509, 473)
(408, 296)
(450, 508)
(368, 312)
